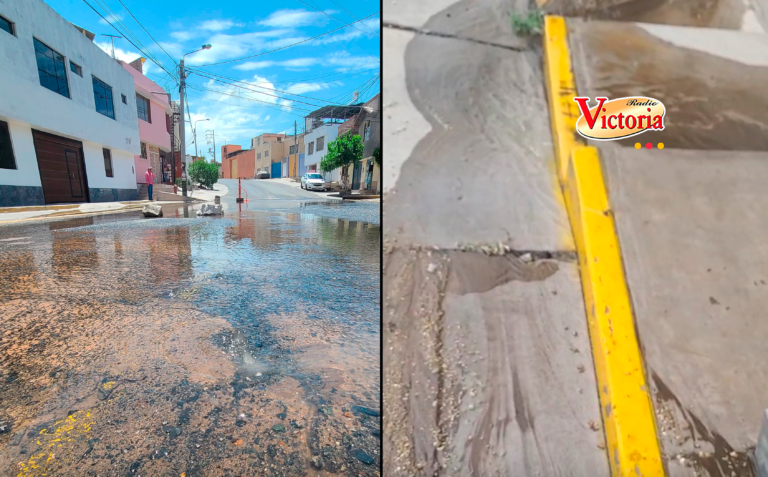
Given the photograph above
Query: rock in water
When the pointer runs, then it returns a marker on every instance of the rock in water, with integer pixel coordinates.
(361, 456)
(365, 410)
(152, 210)
(210, 209)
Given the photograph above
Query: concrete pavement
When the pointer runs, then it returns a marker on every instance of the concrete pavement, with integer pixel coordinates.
(487, 368)
(691, 226)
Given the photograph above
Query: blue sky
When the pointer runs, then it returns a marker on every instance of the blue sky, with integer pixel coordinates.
(275, 88)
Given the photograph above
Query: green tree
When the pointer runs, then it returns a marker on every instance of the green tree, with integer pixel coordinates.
(204, 173)
(377, 156)
(343, 151)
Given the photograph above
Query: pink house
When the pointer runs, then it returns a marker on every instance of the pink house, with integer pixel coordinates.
(154, 125)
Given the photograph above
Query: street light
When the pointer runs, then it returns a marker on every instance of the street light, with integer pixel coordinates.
(182, 87)
(194, 131)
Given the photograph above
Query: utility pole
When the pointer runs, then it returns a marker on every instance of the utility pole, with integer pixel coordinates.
(210, 137)
(296, 145)
(113, 42)
(182, 127)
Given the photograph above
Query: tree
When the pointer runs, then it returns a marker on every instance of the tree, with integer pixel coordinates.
(344, 150)
(377, 156)
(204, 173)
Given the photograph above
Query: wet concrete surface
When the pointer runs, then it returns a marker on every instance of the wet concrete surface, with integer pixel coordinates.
(487, 364)
(726, 14)
(715, 102)
(692, 228)
(246, 344)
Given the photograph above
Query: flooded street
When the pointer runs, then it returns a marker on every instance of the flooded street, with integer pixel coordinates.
(246, 344)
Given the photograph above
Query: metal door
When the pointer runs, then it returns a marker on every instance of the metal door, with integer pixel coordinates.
(276, 168)
(61, 167)
(356, 175)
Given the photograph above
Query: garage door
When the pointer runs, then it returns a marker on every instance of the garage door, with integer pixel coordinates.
(62, 171)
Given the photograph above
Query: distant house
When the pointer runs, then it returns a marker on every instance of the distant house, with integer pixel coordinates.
(366, 174)
(320, 128)
(154, 112)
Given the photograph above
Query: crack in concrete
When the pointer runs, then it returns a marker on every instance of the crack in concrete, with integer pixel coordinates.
(421, 31)
(491, 250)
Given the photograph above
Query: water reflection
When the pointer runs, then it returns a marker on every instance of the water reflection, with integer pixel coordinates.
(238, 346)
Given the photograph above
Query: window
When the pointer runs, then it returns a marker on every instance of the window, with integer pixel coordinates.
(367, 134)
(311, 148)
(102, 94)
(293, 149)
(258, 142)
(7, 161)
(108, 162)
(51, 69)
(266, 153)
(320, 143)
(278, 139)
(258, 156)
(167, 123)
(7, 25)
(125, 100)
(73, 67)
(143, 150)
(142, 105)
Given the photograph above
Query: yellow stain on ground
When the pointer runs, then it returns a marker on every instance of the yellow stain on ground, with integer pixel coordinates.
(108, 385)
(74, 429)
(632, 445)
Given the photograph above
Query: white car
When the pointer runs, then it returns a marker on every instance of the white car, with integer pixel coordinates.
(313, 181)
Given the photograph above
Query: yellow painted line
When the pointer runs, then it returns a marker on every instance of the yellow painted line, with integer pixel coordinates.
(631, 437)
(561, 88)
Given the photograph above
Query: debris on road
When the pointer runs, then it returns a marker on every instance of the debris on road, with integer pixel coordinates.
(152, 210)
(210, 209)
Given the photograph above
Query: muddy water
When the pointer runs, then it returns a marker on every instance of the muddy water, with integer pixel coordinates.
(240, 345)
(728, 14)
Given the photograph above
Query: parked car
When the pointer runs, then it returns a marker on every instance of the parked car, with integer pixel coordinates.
(262, 175)
(313, 181)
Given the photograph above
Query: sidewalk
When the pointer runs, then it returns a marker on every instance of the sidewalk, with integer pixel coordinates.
(327, 195)
(17, 214)
(206, 195)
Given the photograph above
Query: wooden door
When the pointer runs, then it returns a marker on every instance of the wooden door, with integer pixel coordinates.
(61, 166)
(233, 172)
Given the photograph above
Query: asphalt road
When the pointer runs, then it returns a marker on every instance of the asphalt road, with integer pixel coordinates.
(269, 190)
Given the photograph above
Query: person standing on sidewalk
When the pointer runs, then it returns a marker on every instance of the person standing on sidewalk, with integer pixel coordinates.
(150, 178)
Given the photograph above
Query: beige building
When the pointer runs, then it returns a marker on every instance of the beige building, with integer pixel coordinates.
(292, 147)
(267, 147)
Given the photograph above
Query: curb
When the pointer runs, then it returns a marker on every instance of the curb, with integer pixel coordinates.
(631, 438)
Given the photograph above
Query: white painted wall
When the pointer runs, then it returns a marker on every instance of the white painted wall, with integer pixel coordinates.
(122, 161)
(23, 99)
(329, 131)
(26, 173)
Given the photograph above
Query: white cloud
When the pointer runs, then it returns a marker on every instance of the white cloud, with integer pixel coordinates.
(127, 56)
(217, 25)
(111, 18)
(183, 35)
(225, 46)
(343, 60)
(294, 63)
(294, 18)
(351, 33)
(300, 88)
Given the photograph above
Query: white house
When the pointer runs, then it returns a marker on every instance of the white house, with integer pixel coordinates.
(68, 122)
(320, 128)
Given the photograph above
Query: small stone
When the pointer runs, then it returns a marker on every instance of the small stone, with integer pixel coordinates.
(210, 209)
(431, 268)
(152, 210)
(365, 410)
(278, 428)
(281, 415)
(317, 462)
(172, 431)
(240, 423)
(526, 258)
(361, 456)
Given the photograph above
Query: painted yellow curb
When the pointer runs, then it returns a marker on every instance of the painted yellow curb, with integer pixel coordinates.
(561, 88)
(632, 443)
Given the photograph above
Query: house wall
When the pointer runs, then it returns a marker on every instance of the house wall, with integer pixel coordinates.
(246, 164)
(27, 105)
(267, 142)
(329, 132)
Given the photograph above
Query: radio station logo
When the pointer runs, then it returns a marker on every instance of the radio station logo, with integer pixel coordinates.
(619, 118)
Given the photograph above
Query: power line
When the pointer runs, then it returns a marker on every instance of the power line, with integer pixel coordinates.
(332, 18)
(288, 46)
(348, 13)
(272, 105)
(210, 75)
(129, 40)
(257, 91)
(145, 31)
